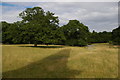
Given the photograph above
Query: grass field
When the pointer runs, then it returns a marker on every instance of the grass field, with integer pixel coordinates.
(25, 61)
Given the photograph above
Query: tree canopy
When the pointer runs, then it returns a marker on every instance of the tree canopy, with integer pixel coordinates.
(40, 27)
(76, 33)
(100, 37)
(116, 36)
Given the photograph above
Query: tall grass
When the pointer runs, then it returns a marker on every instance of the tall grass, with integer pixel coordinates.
(23, 61)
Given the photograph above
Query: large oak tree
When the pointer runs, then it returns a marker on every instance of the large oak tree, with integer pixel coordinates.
(38, 25)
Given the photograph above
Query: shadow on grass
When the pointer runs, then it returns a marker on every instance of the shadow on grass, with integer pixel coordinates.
(43, 46)
(54, 66)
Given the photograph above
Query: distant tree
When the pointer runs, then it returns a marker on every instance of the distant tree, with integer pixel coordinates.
(100, 37)
(105, 36)
(17, 32)
(116, 36)
(38, 25)
(59, 36)
(93, 37)
(6, 37)
(76, 33)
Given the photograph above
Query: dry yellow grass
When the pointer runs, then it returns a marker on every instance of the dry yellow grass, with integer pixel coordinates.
(97, 61)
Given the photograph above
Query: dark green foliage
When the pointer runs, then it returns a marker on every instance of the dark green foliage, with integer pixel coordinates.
(6, 37)
(116, 36)
(100, 37)
(76, 33)
(37, 26)
(40, 27)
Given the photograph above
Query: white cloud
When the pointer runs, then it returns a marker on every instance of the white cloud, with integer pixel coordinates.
(11, 16)
(99, 16)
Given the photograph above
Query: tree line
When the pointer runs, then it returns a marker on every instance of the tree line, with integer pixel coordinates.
(40, 27)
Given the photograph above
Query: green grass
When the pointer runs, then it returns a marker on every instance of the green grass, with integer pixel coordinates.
(55, 61)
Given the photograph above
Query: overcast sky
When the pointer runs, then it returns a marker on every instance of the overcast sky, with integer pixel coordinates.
(98, 16)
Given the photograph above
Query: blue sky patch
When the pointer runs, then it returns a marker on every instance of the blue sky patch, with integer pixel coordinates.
(7, 4)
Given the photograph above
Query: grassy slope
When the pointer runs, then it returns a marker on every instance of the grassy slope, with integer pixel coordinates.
(98, 61)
